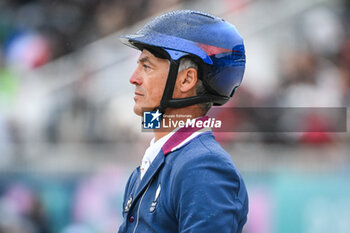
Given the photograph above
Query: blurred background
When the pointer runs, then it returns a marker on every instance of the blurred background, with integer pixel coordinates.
(69, 138)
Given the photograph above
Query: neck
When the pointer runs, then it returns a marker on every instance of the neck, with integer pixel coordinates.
(178, 114)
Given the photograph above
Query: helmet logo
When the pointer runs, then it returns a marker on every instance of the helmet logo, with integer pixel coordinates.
(213, 50)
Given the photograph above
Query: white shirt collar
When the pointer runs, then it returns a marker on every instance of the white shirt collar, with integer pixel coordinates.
(155, 146)
(152, 151)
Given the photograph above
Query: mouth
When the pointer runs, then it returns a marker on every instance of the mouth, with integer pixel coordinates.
(138, 93)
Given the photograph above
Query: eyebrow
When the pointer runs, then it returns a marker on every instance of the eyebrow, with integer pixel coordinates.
(145, 59)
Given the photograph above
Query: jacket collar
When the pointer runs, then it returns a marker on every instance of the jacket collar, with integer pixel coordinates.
(179, 138)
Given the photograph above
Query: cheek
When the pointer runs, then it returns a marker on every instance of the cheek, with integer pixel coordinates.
(156, 92)
(156, 89)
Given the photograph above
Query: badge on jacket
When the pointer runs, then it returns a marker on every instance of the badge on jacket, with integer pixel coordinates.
(128, 204)
(154, 203)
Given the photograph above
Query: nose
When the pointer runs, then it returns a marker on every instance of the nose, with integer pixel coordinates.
(135, 78)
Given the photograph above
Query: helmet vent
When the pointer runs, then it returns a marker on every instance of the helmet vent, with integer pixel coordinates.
(202, 14)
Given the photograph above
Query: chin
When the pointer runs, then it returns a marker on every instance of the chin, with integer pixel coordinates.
(137, 110)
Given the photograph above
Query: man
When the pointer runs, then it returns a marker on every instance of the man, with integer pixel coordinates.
(186, 183)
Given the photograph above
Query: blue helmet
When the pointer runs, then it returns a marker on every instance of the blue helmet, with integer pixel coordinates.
(212, 41)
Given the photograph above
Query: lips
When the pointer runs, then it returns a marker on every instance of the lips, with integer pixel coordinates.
(137, 96)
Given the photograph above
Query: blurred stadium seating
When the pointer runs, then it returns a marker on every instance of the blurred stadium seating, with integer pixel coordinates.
(68, 137)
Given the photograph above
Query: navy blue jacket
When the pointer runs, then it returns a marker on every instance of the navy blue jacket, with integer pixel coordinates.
(194, 189)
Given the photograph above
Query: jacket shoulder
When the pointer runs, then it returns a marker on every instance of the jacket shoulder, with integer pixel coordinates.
(204, 155)
(203, 149)
(204, 184)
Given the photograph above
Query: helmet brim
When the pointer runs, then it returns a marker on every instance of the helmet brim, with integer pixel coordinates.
(168, 43)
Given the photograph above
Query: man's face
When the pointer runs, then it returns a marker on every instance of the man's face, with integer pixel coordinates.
(149, 79)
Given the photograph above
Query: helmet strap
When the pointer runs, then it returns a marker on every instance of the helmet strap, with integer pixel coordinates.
(169, 86)
(188, 101)
(167, 98)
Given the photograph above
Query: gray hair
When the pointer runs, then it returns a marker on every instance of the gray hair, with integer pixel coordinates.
(186, 63)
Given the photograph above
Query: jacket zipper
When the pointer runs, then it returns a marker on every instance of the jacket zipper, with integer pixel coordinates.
(138, 208)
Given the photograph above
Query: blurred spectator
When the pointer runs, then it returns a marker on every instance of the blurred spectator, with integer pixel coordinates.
(21, 211)
(323, 31)
(309, 80)
(64, 26)
(73, 118)
(27, 51)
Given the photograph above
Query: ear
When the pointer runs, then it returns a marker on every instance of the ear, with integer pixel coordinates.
(187, 81)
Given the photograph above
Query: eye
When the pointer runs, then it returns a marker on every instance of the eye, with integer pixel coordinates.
(146, 67)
